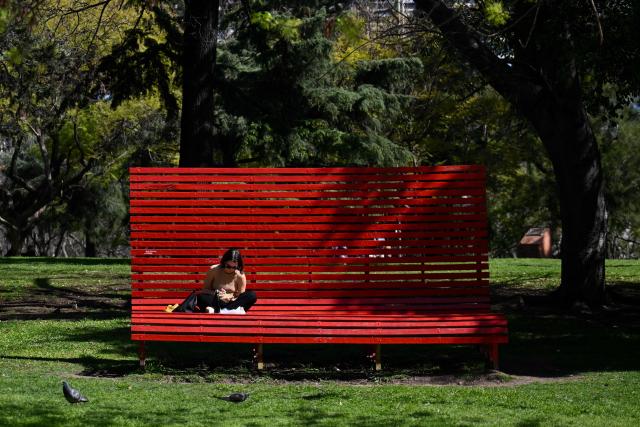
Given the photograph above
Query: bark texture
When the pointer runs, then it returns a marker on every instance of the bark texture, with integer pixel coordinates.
(542, 83)
(200, 40)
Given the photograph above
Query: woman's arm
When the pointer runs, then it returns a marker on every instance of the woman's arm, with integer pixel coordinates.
(241, 285)
(208, 281)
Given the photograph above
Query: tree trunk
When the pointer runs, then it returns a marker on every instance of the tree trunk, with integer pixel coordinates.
(573, 150)
(16, 242)
(544, 86)
(198, 64)
(89, 246)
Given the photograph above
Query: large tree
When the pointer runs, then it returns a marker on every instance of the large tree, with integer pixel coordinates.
(538, 55)
(197, 136)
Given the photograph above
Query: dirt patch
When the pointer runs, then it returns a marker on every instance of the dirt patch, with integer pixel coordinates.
(106, 301)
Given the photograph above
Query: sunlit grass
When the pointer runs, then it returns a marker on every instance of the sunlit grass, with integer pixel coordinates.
(587, 368)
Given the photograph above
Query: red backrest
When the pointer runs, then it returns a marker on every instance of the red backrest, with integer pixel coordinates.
(315, 239)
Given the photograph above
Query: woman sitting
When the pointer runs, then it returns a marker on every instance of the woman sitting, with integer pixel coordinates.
(225, 287)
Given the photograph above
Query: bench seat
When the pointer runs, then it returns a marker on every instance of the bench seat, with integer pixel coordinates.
(342, 328)
(335, 255)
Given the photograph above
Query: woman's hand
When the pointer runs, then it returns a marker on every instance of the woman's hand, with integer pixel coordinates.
(223, 296)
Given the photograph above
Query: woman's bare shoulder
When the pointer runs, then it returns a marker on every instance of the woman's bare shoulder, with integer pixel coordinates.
(213, 269)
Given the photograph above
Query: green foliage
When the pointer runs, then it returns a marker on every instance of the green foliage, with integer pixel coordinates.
(495, 13)
(278, 26)
(315, 111)
(620, 145)
(146, 61)
(4, 18)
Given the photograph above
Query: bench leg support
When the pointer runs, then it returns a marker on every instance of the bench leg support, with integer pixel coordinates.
(259, 356)
(493, 356)
(141, 354)
(376, 355)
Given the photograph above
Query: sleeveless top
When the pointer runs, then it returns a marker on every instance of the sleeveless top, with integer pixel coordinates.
(217, 278)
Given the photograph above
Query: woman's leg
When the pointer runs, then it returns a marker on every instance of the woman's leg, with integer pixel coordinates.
(207, 300)
(244, 300)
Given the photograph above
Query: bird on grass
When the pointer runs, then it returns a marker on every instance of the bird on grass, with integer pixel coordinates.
(236, 397)
(71, 394)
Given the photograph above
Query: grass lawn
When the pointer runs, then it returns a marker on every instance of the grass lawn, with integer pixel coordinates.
(576, 368)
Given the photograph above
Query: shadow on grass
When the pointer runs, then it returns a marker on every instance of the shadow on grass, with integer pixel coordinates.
(81, 297)
(51, 302)
(541, 345)
(234, 362)
(93, 366)
(100, 363)
(547, 343)
(108, 414)
(75, 261)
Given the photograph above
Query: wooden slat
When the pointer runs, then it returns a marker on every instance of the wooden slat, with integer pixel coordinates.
(266, 315)
(328, 178)
(455, 217)
(336, 255)
(343, 254)
(261, 339)
(338, 285)
(280, 193)
(422, 170)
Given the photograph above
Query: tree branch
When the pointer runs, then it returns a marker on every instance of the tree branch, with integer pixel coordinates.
(597, 15)
(95, 33)
(87, 7)
(6, 223)
(511, 80)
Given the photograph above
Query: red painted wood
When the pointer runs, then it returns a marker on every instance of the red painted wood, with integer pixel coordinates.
(340, 203)
(257, 339)
(338, 285)
(339, 255)
(431, 246)
(308, 310)
(456, 218)
(389, 194)
(275, 315)
(249, 321)
(334, 253)
(315, 331)
(349, 293)
(305, 177)
(444, 263)
(422, 170)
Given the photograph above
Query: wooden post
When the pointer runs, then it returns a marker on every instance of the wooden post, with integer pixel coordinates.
(491, 355)
(376, 355)
(141, 354)
(259, 353)
(494, 355)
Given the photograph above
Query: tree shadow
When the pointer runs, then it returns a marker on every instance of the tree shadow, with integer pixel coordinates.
(93, 366)
(66, 303)
(552, 341)
(74, 261)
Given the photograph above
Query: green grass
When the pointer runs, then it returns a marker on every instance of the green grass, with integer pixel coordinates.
(586, 366)
(19, 276)
(545, 273)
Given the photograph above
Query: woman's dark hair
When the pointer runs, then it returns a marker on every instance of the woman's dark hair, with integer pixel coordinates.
(234, 256)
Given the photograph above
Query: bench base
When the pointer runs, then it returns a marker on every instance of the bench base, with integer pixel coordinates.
(490, 351)
(485, 329)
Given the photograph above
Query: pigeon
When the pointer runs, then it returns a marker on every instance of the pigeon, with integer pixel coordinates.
(71, 394)
(236, 397)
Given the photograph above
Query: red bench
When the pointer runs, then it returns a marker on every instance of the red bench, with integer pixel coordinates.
(335, 255)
